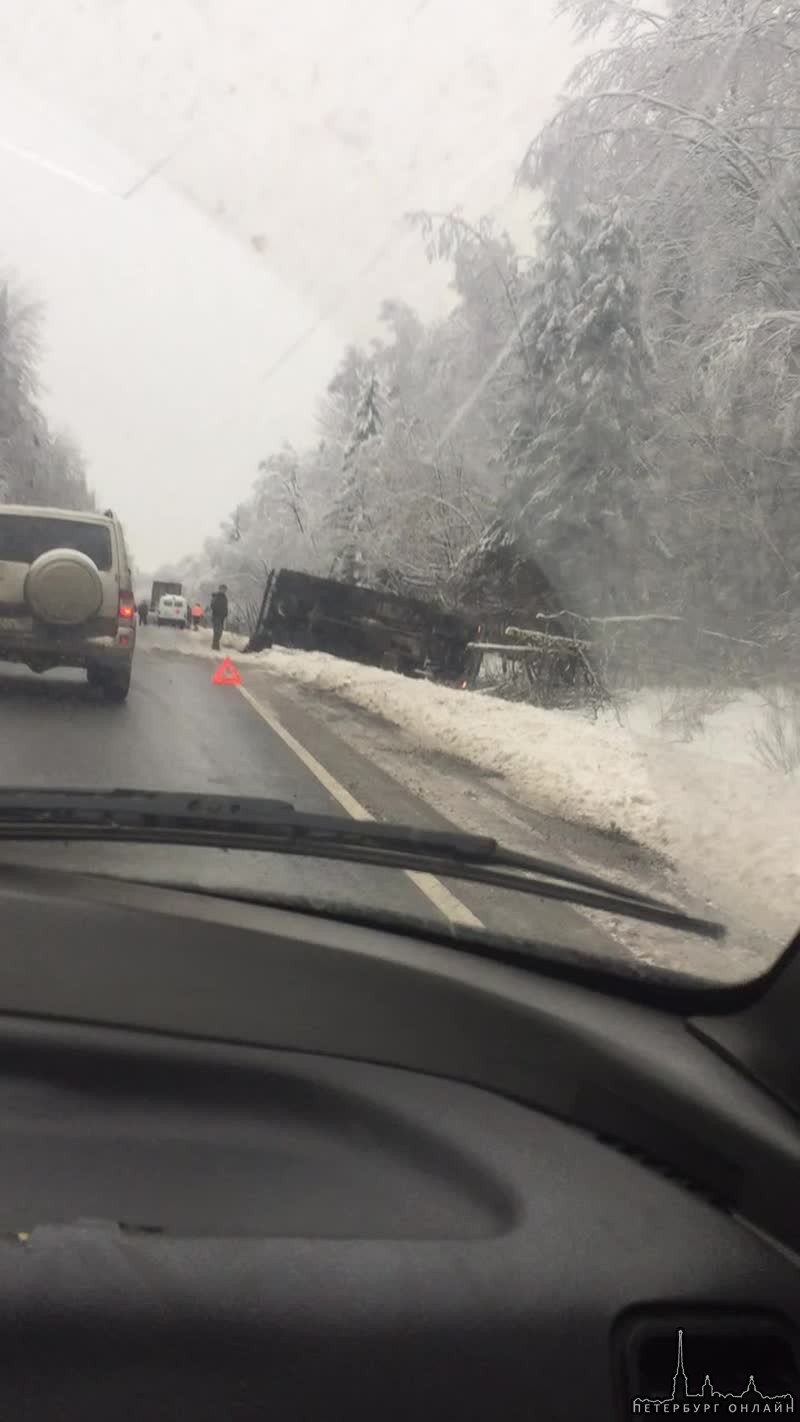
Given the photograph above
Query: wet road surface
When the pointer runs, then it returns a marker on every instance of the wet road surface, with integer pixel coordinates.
(178, 732)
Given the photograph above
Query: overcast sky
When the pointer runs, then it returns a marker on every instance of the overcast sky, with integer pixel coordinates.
(192, 324)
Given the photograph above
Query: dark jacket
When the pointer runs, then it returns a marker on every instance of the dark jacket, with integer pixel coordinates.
(219, 607)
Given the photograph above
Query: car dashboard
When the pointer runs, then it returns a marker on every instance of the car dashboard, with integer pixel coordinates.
(259, 1163)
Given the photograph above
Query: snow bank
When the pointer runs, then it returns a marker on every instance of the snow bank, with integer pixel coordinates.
(730, 826)
(192, 643)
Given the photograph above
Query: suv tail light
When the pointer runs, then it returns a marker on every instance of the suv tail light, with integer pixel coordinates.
(127, 607)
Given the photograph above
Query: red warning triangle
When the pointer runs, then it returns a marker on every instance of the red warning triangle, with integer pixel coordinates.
(226, 674)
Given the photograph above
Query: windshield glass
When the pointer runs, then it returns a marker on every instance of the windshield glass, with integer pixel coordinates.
(23, 539)
(440, 362)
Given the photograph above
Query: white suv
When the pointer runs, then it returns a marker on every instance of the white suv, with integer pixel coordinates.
(66, 594)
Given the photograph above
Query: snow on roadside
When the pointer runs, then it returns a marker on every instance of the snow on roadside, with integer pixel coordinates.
(730, 827)
(194, 643)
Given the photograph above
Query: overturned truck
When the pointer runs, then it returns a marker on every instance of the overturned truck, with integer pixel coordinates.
(380, 629)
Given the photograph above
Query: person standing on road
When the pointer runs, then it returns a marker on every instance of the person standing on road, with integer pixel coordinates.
(219, 613)
(143, 610)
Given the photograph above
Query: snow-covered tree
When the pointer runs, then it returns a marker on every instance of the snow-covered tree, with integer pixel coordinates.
(579, 496)
(622, 401)
(350, 519)
(37, 466)
(689, 112)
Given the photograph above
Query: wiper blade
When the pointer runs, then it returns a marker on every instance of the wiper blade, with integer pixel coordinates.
(240, 822)
(57, 810)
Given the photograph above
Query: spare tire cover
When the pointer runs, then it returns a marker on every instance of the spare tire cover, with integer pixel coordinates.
(63, 586)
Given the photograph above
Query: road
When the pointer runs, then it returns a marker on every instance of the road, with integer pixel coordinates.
(179, 732)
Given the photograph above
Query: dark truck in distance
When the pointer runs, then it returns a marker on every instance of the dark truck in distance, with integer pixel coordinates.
(160, 590)
(365, 625)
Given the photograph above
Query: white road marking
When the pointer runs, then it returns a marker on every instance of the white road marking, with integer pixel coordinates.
(439, 895)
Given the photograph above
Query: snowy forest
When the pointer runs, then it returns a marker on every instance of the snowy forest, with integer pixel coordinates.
(617, 408)
(37, 465)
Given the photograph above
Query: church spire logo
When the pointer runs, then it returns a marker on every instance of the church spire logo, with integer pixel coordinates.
(709, 1402)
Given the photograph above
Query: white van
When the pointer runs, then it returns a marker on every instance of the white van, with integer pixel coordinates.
(173, 611)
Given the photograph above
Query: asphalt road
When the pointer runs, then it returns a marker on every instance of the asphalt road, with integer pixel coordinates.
(177, 731)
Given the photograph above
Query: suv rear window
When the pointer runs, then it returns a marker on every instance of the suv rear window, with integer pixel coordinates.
(23, 539)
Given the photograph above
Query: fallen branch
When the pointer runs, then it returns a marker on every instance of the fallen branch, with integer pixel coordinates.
(543, 639)
(647, 617)
(511, 652)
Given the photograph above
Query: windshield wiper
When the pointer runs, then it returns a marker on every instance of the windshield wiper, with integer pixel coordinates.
(234, 822)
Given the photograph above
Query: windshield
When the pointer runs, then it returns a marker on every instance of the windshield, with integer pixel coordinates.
(23, 539)
(437, 365)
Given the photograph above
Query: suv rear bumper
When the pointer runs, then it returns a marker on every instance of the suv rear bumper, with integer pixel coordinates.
(56, 647)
